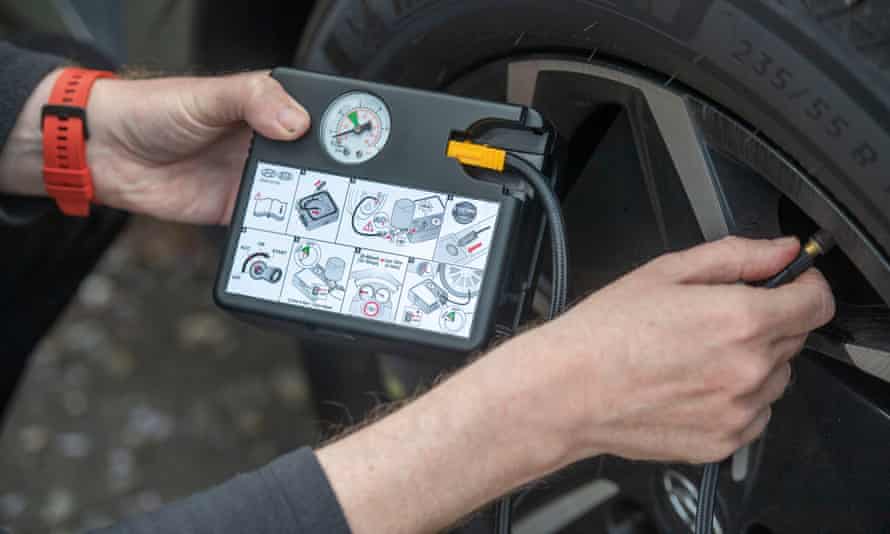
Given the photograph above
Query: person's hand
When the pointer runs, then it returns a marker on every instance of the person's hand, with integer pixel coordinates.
(169, 147)
(677, 361)
(175, 147)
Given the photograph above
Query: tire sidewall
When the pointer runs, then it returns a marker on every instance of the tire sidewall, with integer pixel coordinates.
(836, 128)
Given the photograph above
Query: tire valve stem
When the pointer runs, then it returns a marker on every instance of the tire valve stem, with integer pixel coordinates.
(819, 244)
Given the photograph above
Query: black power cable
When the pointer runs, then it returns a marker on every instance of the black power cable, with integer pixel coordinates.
(819, 244)
(553, 212)
(707, 496)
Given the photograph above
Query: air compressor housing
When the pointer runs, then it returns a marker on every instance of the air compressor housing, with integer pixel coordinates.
(363, 230)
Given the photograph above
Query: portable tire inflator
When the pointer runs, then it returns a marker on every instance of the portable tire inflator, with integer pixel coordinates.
(404, 220)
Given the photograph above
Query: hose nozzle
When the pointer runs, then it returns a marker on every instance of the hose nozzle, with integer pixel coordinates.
(819, 244)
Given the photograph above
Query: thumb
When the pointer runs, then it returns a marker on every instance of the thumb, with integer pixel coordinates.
(253, 97)
(734, 259)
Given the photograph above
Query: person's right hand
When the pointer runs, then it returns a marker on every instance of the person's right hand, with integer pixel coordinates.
(676, 361)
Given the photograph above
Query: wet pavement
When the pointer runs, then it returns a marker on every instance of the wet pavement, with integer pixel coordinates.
(145, 392)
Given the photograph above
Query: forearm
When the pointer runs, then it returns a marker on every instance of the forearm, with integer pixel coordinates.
(459, 446)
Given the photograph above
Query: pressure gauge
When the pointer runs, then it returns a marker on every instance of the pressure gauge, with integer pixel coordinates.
(355, 127)
(307, 255)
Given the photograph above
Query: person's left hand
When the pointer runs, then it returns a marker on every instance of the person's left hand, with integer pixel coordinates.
(175, 147)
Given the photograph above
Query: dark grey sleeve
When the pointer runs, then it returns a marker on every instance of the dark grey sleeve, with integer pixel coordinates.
(20, 72)
(290, 495)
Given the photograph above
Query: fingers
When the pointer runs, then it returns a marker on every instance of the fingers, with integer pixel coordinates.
(757, 426)
(253, 97)
(730, 260)
(772, 389)
(761, 401)
(272, 112)
(769, 315)
(787, 348)
(734, 433)
(802, 305)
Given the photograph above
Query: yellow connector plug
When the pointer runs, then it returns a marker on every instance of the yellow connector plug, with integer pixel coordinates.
(475, 155)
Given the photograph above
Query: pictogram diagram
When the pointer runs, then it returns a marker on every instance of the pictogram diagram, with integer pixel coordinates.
(403, 222)
(368, 249)
(318, 281)
(271, 208)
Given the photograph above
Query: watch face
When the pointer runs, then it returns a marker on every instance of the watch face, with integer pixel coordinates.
(355, 127)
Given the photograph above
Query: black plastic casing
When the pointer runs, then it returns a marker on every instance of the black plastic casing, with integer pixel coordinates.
(415, 156)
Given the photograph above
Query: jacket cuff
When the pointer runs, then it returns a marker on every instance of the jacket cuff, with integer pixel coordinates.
(20, 72)
(307, 490)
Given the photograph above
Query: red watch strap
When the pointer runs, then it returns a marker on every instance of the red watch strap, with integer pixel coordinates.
(65, 172)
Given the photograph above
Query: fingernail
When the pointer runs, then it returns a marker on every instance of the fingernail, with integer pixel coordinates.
(293, 120)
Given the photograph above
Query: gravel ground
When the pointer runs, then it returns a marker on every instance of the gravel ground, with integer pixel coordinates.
(145, 392)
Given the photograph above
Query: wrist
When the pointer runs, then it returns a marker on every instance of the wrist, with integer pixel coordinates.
(21, 159)
(524, 412)
(532, 378)
(102, 111)
(473, 438)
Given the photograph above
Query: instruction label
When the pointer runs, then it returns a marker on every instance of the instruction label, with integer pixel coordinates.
(366, 249)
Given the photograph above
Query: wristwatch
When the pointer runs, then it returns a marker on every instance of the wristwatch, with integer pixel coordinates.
(63, 120)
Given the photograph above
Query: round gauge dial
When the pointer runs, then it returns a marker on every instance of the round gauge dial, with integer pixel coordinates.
(307, 254)
(453, 320)
(355, 127)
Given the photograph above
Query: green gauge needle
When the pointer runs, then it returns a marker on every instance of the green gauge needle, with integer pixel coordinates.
(354, 118)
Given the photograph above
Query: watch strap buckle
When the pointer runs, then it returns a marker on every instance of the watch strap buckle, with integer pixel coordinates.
(65, 112)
